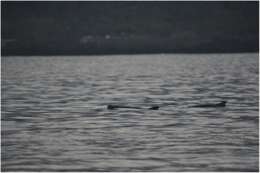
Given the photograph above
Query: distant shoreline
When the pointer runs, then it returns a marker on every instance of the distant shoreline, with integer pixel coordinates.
(126, 53)
(105, 28)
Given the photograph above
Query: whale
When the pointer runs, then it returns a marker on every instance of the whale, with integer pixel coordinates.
(111, 107)
(221, 104)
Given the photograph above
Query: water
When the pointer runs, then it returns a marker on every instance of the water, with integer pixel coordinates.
(54, 115)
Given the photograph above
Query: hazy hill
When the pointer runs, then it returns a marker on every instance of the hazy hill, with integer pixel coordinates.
(128, 27)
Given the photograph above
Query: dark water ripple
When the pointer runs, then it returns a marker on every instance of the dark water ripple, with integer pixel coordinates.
(54, 115)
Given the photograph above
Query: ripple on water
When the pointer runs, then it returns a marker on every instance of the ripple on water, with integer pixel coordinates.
(54, 115)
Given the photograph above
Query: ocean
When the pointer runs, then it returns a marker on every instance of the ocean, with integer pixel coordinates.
(54, 114)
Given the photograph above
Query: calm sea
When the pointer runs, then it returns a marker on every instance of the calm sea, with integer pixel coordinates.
(54, 116)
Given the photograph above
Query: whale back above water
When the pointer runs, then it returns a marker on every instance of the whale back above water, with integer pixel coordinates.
(130, 107)
(221, 104)
(154, 108)
(118, 106)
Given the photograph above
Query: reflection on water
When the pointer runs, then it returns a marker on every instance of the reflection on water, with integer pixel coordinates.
(54, 115)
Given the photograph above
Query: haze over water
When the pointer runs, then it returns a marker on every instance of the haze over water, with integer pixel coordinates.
(54, 115)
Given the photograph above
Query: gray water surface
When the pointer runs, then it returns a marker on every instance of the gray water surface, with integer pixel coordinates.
(54, 115)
